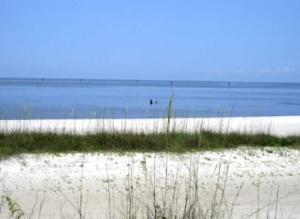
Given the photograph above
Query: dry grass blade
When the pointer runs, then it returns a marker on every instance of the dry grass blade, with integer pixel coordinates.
(275, 201)
(71, 203)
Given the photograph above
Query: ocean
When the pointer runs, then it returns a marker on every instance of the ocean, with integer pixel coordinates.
(31, 98)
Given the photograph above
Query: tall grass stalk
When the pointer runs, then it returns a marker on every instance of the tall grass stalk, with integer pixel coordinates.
(169, 116)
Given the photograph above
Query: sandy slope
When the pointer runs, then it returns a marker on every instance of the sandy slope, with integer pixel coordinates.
(278, 125)
(55, 181)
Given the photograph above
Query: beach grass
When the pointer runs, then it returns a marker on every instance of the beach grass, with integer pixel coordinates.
(177, 142)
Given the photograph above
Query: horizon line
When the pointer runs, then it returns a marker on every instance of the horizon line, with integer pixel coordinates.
(152, 80)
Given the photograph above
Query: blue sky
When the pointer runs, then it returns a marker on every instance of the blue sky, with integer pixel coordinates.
(244, 40)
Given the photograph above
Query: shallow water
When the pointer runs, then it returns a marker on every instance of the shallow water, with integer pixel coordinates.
(57, 98)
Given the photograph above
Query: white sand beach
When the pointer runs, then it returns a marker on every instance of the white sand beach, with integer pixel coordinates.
(257, 183)
(242, 183)
(276, 125)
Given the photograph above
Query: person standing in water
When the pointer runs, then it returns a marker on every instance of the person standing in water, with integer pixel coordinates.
(151, 102)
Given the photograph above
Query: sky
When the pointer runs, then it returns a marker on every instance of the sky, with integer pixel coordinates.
(245, 40)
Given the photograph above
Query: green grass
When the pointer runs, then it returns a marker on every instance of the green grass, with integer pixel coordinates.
(17, 143)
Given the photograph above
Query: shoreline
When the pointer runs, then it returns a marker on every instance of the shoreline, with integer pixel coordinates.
(274, 125)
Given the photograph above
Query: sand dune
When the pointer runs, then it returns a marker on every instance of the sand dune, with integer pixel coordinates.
(262, 179)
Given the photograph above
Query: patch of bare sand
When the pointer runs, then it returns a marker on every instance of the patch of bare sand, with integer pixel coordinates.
(256, 182)
(276, 125)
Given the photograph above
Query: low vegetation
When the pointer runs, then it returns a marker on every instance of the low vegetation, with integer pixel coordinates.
(16, 143)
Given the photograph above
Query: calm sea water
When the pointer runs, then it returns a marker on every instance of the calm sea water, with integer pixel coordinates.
(68, 98)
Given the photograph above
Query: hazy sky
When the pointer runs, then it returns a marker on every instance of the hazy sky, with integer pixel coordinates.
(256, 40)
